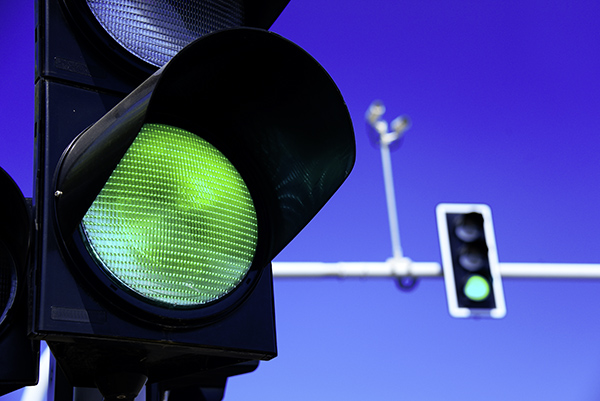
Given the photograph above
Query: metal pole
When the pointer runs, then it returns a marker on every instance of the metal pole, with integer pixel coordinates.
(390, 197)
(373, 117)
(394, 268)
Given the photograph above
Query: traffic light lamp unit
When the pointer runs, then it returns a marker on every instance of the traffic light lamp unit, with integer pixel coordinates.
(470, 261)
(160, 206)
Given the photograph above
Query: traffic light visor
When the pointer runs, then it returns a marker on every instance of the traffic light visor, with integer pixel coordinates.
(14, 242)
(19, 360)
(186, 190)
(175, 223)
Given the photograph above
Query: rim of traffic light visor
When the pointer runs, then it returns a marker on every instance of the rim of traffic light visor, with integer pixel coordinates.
(174, 232)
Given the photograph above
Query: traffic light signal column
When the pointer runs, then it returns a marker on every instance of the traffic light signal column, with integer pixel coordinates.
(470, 261)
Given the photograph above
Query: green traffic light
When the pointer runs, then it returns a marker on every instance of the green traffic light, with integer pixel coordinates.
(175, 222)
(477, 288)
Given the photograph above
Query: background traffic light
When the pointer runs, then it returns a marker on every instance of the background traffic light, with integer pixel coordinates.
(18, 354)
(470, 260)
(160, 210)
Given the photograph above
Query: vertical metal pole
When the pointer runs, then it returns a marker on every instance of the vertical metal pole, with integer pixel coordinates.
(39, 392)
(399, 125)
(390, 197)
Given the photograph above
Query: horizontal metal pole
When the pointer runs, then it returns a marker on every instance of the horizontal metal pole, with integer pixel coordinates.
(390, 268)
(550, 270)
(405, 267)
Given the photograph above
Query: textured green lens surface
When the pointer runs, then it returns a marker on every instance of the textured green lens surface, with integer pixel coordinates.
(477, 288)
(175, 222)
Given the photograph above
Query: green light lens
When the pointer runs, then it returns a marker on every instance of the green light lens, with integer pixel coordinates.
(477, 288)
(175, 222)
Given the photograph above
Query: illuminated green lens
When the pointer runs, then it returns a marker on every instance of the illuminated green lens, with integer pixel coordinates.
(175, 222)
(477, 288)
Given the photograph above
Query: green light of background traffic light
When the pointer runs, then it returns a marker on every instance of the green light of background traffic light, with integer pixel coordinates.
(477, 288)
(175, 223)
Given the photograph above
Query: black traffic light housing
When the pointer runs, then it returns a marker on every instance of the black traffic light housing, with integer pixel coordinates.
(263, 103)
(470, 261)
(18, 354)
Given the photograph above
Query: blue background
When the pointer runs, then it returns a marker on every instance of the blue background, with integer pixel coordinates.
(504, 97)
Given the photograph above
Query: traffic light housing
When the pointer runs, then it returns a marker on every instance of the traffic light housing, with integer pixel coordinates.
(159, 211)
(18, 354)
(470, 261)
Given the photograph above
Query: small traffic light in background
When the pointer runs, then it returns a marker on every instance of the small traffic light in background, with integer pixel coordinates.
(18, 354)
(470, 261)
(177, 154)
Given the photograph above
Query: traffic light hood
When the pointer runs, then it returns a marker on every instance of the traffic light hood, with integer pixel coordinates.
(20, 355)
(14, 232)
(14, 245)
(271, 110)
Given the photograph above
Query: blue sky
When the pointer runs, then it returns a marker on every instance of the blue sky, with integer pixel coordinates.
(504, 98)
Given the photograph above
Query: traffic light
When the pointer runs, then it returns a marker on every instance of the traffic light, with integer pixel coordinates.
(18, 354)
(470, 261)
(160, 206)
